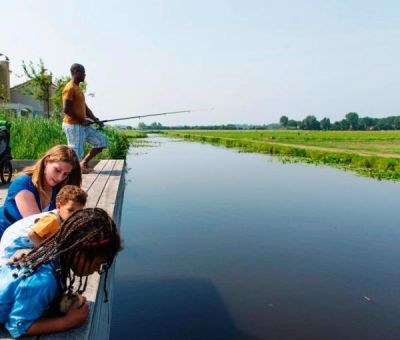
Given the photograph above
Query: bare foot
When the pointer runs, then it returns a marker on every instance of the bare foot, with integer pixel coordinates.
(86, 169)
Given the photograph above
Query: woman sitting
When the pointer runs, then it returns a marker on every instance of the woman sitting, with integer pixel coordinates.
(36, 188)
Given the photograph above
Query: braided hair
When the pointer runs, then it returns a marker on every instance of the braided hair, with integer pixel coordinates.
(85, 236)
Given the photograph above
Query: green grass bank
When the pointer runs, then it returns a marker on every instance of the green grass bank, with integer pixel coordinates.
(373, 154)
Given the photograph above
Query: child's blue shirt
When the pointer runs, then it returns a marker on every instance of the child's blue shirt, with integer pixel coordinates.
(23, 301)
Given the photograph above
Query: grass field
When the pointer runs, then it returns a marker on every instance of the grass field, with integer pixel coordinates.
(134, 134)
(370, 153)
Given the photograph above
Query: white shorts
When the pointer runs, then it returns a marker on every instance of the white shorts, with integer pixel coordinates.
(78, 135)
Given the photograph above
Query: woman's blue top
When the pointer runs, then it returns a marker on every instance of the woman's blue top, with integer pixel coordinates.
(9, 212)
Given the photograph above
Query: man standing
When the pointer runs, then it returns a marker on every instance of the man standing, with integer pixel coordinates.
(75, 123)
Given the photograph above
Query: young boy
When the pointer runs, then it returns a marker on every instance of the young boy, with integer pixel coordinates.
(33, 230)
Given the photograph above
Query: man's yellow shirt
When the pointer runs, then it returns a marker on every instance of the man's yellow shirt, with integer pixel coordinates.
(74, 93)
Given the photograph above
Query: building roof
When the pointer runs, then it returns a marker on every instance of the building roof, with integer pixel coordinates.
(25, 83)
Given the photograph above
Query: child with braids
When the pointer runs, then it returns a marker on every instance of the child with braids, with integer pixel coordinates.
(87, 242)
(33, 230)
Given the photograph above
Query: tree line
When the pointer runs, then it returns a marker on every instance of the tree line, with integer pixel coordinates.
(159, 126)
(352, 121)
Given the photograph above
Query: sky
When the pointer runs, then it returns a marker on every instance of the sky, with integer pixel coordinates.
(252, 61)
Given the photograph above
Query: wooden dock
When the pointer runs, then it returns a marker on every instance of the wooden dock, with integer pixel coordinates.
(105, 188)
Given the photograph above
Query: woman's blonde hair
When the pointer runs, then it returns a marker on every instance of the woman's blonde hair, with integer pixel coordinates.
(58, 153)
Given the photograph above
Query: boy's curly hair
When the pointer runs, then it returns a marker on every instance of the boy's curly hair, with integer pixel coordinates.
(72, 193)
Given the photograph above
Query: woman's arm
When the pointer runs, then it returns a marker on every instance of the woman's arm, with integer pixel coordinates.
(26, 203)
(75, 317)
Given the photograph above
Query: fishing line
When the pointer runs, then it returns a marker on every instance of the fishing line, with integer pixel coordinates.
(148, 115)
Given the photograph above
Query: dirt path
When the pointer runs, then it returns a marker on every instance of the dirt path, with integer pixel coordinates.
(310, 147)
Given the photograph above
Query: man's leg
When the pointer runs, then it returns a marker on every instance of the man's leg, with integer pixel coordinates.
(75, 137)
(98, 142)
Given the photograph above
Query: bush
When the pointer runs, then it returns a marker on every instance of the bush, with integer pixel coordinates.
(118, 143)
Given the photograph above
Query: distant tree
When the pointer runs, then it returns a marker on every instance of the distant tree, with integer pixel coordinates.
(40, 81)
(352, 118)
(366, 123)
(345, 124)
(391, 123)
(383, 124)
(397, 123)
(292, 124)
(325, 123)
(310, 123)
(337, 126)
(142, 126)
(284, 121)
(156, 126)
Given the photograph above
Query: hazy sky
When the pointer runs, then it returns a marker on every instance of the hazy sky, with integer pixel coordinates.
(251, 60)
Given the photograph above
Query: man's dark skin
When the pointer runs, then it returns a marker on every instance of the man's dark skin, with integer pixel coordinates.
(78, 76)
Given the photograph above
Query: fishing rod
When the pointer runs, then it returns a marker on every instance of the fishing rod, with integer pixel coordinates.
(141, 116)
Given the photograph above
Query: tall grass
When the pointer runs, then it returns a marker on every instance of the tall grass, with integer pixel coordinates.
(32, 137)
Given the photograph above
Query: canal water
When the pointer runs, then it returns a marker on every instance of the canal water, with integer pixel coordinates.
(226, 245)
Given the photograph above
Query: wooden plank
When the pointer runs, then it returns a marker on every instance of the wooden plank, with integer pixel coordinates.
(109, 197)
(89, 179)
(95, 190)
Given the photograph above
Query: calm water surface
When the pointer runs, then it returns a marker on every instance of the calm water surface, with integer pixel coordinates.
(226, 245)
